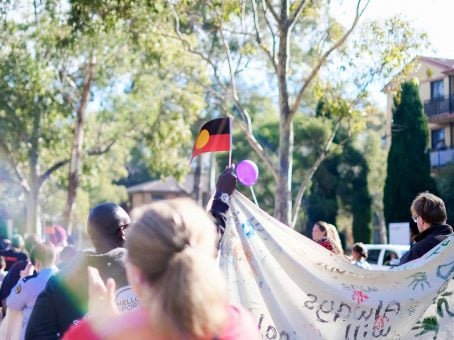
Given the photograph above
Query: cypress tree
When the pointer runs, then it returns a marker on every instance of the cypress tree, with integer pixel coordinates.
(408, 171)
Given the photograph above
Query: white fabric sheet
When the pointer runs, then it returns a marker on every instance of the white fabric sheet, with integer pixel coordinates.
(296, 289)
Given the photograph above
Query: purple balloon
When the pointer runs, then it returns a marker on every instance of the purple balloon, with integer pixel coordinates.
(247, 172)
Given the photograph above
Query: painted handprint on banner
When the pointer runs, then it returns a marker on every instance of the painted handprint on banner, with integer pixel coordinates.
(419, 278)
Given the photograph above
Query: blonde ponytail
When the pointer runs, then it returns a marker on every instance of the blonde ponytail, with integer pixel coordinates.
(173, 243)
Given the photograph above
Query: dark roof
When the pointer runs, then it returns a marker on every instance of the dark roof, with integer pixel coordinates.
(169, 185)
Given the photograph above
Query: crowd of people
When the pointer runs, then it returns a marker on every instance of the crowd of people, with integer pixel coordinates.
(154, 278)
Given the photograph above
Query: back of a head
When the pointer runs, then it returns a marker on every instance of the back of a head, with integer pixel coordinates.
(68, 253)
(45, 253)
(104, 224)
(360, 249)
(173, 243)
(31, 241)
(17, 241)
(430, 207)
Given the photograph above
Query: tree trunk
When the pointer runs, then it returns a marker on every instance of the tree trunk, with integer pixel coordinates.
(283, 201)
(380, 234)
(76, 150)
(33, 209)
(33, 158)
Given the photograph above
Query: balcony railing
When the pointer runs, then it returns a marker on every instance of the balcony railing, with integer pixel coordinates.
(439, 106)
(441, 157)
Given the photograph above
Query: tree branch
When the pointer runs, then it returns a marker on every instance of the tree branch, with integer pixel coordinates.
(17, 171)
(187, 44)
(298, 11)
(93, 152)
(65, 78)
(101, 150)
(269, 5)
(259, 149)
(246, 127)
(231, 71)
(258, 37)
(52, 169)
(325, 153)
(324, 57)
(268, 23)
(245, 124)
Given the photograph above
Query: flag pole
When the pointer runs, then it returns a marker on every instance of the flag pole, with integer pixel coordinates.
(231, 144)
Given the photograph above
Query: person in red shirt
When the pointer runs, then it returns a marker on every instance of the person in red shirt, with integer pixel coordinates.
(172, 269)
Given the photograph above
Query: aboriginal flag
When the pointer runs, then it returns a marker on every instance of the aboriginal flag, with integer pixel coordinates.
(213, 136)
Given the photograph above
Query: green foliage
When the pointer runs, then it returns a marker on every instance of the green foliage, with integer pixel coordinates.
(29, 98)
(342, 178)
(240, 40)
(408, 170)
(354, 192)
(322, 200)
(146, 94)
(375, 155)
(380, 49)
(445, 183)
(151, 83)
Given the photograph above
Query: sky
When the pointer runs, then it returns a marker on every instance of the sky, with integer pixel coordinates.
(431, 16)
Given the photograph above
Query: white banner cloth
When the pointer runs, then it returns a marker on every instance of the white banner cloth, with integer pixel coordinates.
(296, 289)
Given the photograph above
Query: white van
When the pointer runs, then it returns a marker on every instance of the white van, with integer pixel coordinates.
(384, 256)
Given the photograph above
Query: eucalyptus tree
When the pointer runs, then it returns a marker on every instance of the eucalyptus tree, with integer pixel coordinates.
(69, 95)
(33, 117)
(296, 52)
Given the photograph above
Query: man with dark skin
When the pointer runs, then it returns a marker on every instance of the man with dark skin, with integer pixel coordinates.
(64, 301)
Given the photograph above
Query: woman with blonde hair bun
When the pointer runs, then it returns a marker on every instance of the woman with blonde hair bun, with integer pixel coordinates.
(171, 267)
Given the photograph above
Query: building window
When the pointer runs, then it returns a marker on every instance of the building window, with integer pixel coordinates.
(451, 85)
(157, 197)
(438, 139)
(437, 89)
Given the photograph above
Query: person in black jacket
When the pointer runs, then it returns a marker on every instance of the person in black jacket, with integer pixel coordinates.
(429, 213)
(225, 186)
(64, 301)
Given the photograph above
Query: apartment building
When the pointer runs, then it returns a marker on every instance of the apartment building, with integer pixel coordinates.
(436, 90)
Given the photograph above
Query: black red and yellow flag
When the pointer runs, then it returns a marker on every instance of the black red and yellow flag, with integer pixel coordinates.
(213, 136)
